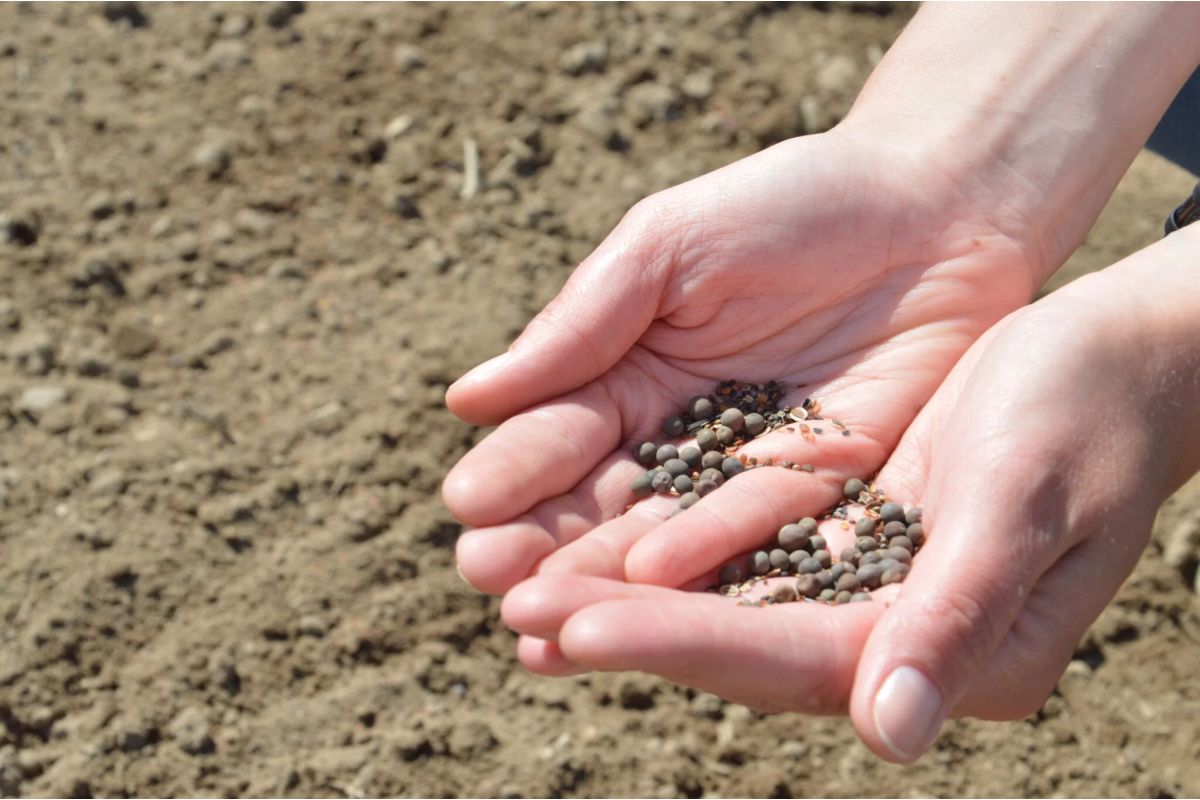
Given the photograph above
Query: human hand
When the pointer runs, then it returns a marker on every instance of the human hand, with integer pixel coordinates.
(1041, 462)
(839, 265)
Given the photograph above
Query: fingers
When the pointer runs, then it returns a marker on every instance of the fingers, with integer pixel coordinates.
(539, 606)
(602, 310)
(798, 656)
(545, 658)
(538, 454)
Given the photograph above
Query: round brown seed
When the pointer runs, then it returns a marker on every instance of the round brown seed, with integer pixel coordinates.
(916, 532)
(714, 475)
(847, 583)
(792, 538)
(796, 557)
(706, 440)
(700, 407)
(733, 419)
(732, 466)
(873, 557)
(666, 453)
(689, 499)
(887, 563)
(725, 436)
(661, 482)
(913, 515)
(865, 527)
(731, 573)
(827, 595)
(849, 556)
(691, 456)
(866, 544)
(823, 558)
(761, 562)
(894, 529)
(898, 553)
(853, 488)
(809, 525)
(755, 424)
(676, 466)
(641, 485)
(784, 593)
(870, 576)
(712, 459)
(841, 598)
(779, 558)
(841, 568)
(683, 484)
(808, 585)
(860, 597)
(891, 512)
(705, 487)
(646, 454)
(826, 578)
(808, 566)
(895, 575)
(674, 426)
(902, 541)
(817, 542)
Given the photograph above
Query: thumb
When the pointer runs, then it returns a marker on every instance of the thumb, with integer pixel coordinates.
(965, 590)
(604, 308)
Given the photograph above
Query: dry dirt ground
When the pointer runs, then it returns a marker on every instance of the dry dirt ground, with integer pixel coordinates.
(237, 276)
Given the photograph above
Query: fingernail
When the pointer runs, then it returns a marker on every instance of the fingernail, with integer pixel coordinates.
(908, 712)
(486, 370)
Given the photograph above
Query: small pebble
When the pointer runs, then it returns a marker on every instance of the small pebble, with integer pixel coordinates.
(827, 595)
(673, 426)
(853, 488)
(779, 559)
(761, 561)
(893, 529)
(725, 436)
(733, 419)
(913, 515)
(860, 597)
(808, 566)
(808, 585)
(661, 482)
(792, 538)
(865, 527)
(666, 453)
(817, 542)
(647, 454)
(755, 424)
(712, 459)
(706, 440)
(899, 554)
(705, 487)
(689, 499)
(916, 532)
(847, 583)
(841, 598)
(870, 575)
(692, 455)
(683, 484)
(731, 573)
(676, 466)
(823, 558)
(784, 593)
(895, 575)
(866, 544)
(642, 486)
(700, 407)
(891, 512)
(869, 558)
(902, 541)
(732, 466)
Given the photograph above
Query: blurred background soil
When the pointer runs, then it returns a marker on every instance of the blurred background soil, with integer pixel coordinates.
(238, 271)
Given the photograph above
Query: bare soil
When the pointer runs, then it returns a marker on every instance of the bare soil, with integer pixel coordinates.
(224, 566)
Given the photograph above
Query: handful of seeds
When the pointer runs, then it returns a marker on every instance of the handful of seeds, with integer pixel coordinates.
(887, 536)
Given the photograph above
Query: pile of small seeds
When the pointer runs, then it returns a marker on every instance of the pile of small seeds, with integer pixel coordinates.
(887, 538)
(735, 413)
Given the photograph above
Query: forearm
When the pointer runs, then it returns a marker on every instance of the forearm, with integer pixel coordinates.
(1037, 108)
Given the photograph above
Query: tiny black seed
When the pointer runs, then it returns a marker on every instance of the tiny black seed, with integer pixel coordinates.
(865, 527)
(666, 453)
(853, 488)
(674, 426)
(646, 454)
(762, 562)
(891, 512)
(691, 454)
(755, 424)
(732, 466)
(733, 419)
(688, 499)
(779, 558)
(683, 484)
(712, 459)
(913, 515)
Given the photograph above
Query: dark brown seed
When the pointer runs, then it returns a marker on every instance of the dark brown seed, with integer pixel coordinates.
(683, 484)
(784, 593)
(808, 566)
(853, 488)
(646, 454)
(865, 527)
(661, 482)
(849, 556)
(895, 575)
(826, 578)
(712, 459)
(913, 515)
(676, 466)
(755, 424)
(666, 453)
(841, 598)
(887, 563)
(725, 436)
(706, 440)
(823, 558)
(731, 573)
(817, 542)
(674, 426)
(714, 475)
(689, 499)
(894, 529)
(860, 597)
(841, 568)
(866, 544)
(762, 562)
(691, 456)
(870, 558)
(870, 576)
(700, 407)
(916, 532)
(808, 585)
(705, 487)
(847, 583)
(796, 557)
(902, 541)
(792, 538)
(827, 595)
(641, 485)
(733, 419)
(779, 558)
(732, 466)
(898, 553)
(891, 512)
(809, 525)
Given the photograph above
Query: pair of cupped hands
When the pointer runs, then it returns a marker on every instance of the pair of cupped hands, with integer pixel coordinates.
(897, 296)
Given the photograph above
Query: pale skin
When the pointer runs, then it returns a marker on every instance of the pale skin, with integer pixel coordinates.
(884, 267)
